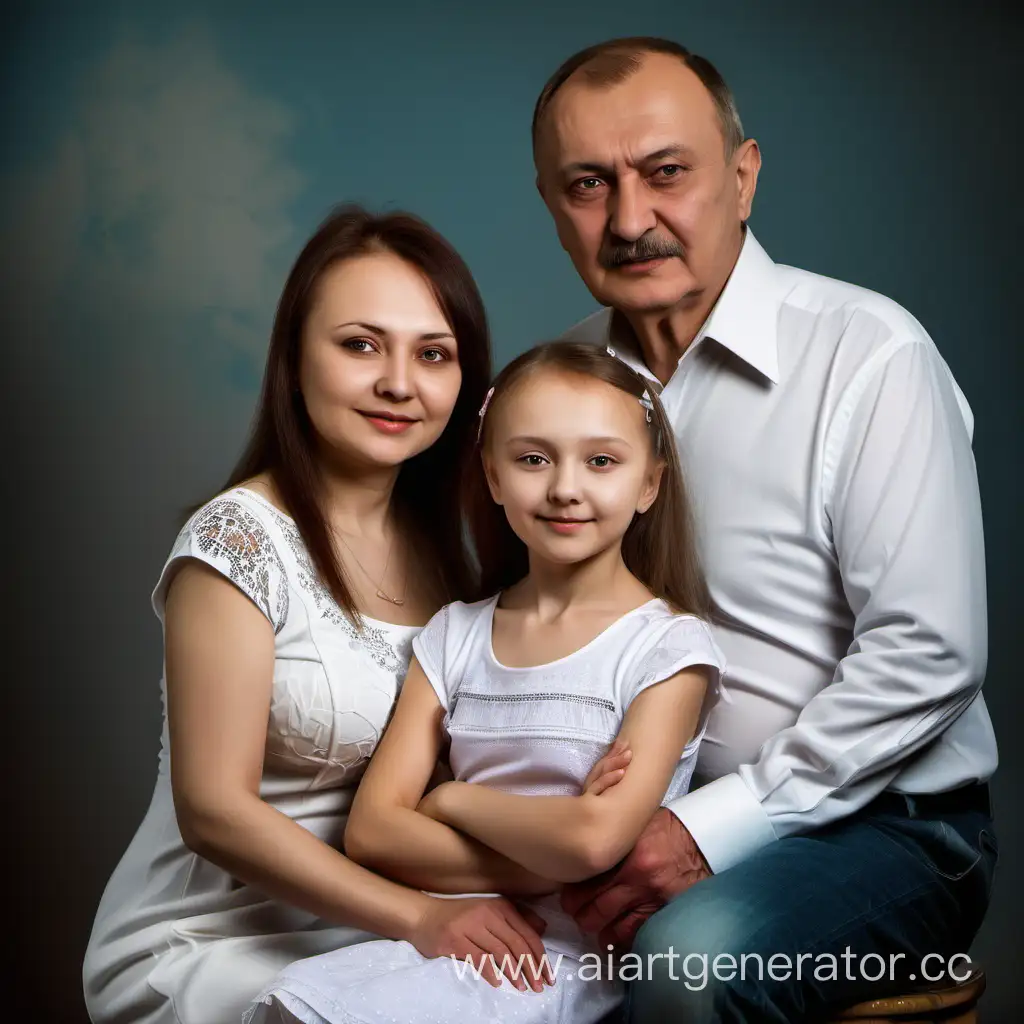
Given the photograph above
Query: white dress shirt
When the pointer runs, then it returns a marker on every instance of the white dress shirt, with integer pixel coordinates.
(827, 450)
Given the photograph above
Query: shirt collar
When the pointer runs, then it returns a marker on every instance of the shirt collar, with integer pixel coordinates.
(745, 318)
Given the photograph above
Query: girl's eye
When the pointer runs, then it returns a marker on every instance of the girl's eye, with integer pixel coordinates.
(532, 459)
(602, 461)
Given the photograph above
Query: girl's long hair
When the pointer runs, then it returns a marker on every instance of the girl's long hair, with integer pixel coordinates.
(426, 498)
(659, 548)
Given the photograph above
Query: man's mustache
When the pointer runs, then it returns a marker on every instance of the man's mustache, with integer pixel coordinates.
(646, 247)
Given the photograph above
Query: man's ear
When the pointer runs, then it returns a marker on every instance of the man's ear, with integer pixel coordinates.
(649, 493)
(748, 163)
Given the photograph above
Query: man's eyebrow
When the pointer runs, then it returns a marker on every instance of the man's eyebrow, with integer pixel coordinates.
(380, 331)
(677, 150)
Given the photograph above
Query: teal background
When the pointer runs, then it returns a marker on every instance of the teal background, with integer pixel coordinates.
(162, 164)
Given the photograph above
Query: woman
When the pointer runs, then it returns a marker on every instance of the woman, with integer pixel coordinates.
(289, 604)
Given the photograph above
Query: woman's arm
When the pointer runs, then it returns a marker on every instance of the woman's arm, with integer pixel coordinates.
(572, 838)
(387, 833)
(219, 660)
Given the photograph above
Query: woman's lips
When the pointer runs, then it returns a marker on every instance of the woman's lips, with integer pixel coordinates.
(388, 424)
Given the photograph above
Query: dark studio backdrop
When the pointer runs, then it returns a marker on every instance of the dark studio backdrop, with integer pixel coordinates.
(163, 163)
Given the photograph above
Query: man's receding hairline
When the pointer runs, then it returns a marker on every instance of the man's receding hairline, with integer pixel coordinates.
(609, 64)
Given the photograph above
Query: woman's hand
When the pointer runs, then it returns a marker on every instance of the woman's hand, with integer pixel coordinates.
(609, 769)
(499, 937)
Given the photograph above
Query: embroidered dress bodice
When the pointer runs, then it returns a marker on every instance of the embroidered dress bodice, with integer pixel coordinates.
(177, 940)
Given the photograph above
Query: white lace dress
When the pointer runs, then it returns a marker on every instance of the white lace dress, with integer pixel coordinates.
(536, 730)
(177, 940)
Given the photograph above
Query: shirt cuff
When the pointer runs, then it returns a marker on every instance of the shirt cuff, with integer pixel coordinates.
(726, 820)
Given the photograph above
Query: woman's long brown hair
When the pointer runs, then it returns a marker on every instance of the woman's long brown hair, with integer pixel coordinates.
(659, 548)
(425, 500)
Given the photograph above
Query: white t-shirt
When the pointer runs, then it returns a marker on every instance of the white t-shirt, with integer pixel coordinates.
(539, 730)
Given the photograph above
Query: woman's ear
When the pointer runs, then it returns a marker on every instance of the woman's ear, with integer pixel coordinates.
(652, 484)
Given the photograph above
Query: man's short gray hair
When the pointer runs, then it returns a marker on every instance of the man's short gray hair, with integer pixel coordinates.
(611, 62)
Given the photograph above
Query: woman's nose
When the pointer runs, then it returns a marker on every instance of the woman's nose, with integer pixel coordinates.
(396, 380)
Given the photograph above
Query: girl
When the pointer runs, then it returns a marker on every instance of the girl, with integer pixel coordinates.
(288, 603)
(592, 635)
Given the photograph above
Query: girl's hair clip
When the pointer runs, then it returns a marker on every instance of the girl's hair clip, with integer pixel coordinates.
(483, 411)
(645, 401)
(610, 351)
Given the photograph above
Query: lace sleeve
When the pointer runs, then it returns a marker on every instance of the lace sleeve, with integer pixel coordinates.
(429, 648)
(230, 538)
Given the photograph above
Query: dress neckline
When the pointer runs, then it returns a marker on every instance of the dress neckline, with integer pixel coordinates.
(268, 504)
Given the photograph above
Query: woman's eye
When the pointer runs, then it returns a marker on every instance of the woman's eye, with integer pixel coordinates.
(435, 355)
(358, 344)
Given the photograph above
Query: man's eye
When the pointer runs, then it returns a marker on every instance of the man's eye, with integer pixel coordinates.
(587, 184)
(670, 171)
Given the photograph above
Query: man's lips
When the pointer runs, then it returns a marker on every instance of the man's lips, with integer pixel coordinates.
(636, 266)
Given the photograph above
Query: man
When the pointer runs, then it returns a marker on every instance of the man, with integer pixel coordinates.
(828, 450)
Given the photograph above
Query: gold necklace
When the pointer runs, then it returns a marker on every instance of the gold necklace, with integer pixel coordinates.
(380, 591)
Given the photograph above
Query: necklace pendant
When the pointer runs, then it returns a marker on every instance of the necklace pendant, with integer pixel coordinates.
(387, 597)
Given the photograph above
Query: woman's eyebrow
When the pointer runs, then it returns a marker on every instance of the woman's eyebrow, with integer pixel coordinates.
(380, 331)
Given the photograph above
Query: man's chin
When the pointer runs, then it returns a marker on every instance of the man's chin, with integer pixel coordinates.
(638, 298)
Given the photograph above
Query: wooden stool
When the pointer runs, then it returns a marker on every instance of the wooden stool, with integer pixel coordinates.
(955, 1003)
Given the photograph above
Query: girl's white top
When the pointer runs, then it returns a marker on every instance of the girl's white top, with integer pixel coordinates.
(539, 730)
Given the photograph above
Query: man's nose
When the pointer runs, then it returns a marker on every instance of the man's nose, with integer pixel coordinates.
(632, 211)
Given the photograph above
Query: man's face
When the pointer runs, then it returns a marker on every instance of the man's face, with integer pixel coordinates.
(636, 177)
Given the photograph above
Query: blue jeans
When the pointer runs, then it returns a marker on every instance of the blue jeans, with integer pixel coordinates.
(907, 875)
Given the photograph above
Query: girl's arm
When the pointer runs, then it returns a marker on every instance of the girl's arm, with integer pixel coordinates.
(386, 832)
(219, 667)
(572, 838)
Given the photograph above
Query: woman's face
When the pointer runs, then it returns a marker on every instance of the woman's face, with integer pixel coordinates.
(379, 366)
(569, 457)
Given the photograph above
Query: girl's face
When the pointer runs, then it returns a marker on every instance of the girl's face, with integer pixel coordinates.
(379, 367)
(569, 457)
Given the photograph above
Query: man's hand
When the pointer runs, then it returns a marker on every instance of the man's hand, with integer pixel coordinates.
(664, 862)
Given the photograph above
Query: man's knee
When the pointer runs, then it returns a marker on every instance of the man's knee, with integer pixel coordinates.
(710, 947)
